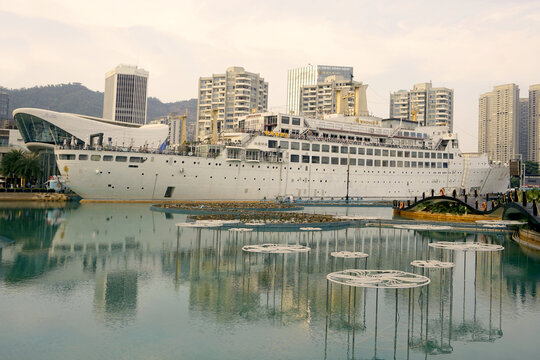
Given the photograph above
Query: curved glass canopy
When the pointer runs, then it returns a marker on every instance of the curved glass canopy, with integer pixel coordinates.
(35, 129)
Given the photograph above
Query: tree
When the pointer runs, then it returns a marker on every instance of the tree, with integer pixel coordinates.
(28, 166)
(8, 166)
(531, 168)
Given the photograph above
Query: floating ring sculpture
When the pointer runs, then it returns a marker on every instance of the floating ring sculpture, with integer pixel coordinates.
(432, 264)
(276, 248)
(349, 254)
(381, 279)
(466, 246)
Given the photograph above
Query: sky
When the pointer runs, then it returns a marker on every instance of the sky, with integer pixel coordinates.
(469, 46)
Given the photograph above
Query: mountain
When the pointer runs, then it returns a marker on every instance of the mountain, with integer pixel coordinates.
(78, 99)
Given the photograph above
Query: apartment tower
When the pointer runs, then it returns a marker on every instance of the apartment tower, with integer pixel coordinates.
(498, 123)
(231, 95)
(533, 148)
(310, 75)
(430, 106)
(125, 97)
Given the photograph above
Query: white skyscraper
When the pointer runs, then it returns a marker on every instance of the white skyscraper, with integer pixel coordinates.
(125, 96)
(431, 105)
(533, 150)
(498, 123)
(310, 75)
(233, 94)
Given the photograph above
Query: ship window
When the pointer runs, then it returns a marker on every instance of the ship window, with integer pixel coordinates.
(335, 149)
(105, 157)
(352, 161)
(385, 152)
(121, 158)
(445, 165)
(451, 156)
(377, 152)
(272, 144)
(413, 154)
(352, 150)
(295, 121)
(445, 156)
(305, 146)
(335, 161)
(392, 163)
(407, 163)
(97, 157)
(377, 162)
(392, 152)
(295, 145)
(420, 164)
(344, 149)
(420, 155)
(137, 159)
(325, 148)
(305, 159)
(315, 147)
(433, 155)
(294, 158)
(439, 165)
(315, 159)
(400, 163)
(324, 159)
(413, 164)
(360, 151)
(385, 163)
(284, 119)
(343, 161)
(369, 162)
(407, 154)
(400, 153)
(439, 155)
(426, 165)
(284, 144)
(169, 191)
(67, 156)
(83, 157)
(360, 162)
(369, 151)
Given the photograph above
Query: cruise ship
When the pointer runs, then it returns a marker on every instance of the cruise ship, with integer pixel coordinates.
(283, 156)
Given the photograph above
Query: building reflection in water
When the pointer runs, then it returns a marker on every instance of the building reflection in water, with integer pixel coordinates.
(119, 248)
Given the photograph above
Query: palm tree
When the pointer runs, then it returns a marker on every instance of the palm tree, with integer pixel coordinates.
(8, 165)
(28, 167)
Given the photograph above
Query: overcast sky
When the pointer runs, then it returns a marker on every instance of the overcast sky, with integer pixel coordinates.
(469, 46)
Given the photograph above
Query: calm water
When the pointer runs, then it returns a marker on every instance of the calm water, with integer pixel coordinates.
(114, 282)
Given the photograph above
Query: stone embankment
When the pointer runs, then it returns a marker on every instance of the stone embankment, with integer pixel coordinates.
(49, 197)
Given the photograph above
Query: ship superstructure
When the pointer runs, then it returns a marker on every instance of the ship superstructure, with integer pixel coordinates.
(275, 156)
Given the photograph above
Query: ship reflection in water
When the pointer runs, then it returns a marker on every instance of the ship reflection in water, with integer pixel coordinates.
(111, 281)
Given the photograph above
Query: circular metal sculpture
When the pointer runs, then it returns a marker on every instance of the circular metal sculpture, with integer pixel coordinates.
(432, 264)
(382, 279)
(423, 227)
(310, 229)
(349, 254)
(276, 248)
(466, 246)
(240, 229)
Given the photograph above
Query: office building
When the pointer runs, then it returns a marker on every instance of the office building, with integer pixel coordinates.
(425, 104)
(498, 123)
(310, 75)
(334, 95)
(231, 95)
(125, 95)
(4, 106)
(524, 130)
(534, 123)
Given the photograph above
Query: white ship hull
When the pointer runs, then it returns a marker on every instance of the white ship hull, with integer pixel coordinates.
(176, 177)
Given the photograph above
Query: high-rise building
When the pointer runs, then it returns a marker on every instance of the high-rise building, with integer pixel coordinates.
(125, 95)
(534, 123)
(334, 95)
(498, 123)
(4, 106)
(524, 130)
(310, 75)
(428, 105)
(232, 94)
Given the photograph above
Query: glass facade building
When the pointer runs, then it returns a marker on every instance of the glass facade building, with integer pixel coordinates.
(310, 75)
